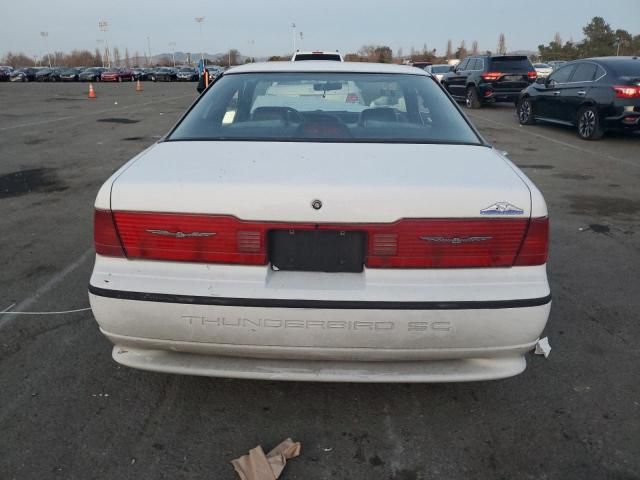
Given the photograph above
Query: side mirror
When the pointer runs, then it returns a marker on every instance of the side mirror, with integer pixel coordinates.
(541, 80)
(452, 68)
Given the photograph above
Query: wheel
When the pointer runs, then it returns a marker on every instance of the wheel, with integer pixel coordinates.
(525, 112)
(589, 127)
(471, 99)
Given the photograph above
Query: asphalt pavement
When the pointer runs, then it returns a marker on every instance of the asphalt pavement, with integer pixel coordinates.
(68, 411)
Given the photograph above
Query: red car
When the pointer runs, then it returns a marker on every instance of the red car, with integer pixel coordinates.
(117, 75)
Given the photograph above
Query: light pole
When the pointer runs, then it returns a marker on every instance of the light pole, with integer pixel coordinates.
(149, 49)
(104, 26)
(45, 36)
(293, 26)
(172, 46)
(199, 21)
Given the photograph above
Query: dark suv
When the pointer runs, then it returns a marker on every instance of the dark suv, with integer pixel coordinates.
(489, 78)
(593, 95)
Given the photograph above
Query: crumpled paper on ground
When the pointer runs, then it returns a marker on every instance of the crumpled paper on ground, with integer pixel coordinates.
(258, 466)
(543, 347)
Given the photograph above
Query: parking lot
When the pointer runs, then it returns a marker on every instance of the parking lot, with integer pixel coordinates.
(67, 410)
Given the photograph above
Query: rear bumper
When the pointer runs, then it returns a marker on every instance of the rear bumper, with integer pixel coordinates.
(464, 370)
(627, 120)
(252, 322)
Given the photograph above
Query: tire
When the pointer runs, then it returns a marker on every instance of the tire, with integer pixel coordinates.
(524, 110)
(471, 99)
(588, 123)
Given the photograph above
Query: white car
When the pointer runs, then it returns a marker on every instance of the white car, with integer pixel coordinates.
(317, 55)
(543, 70)
(341, 242)
(438, 71)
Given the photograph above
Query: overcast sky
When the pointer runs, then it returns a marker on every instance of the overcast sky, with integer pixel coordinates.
(259, 28)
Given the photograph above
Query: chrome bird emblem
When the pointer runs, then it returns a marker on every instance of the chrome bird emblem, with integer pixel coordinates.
(455, 240)
(167, 233)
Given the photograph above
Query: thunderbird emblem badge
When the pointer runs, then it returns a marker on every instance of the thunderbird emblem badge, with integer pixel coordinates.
(455, 240)
(166, 233)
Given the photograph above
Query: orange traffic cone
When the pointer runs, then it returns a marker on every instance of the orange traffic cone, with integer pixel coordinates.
(139, 86)
(92, 94)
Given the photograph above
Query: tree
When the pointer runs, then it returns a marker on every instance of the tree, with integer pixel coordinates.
(462, 50)
(600, 39)
(17, 60)
(116, 56)
(449, 53)
(502, 45)
(97, 58)
(624, 41)
(474, 48)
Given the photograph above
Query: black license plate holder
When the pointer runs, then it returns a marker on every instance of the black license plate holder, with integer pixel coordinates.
(329, 251)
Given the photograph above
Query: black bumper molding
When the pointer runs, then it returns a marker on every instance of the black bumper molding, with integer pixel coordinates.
(317, 304)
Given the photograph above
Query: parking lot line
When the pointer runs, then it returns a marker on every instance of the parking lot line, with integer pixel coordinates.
(97, 112)
(51, 283)
(554, 140)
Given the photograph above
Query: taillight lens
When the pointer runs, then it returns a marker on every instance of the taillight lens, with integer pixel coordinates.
(105, 235)
(491, 75)
(446, 243)
(408, 243)
(535, 246)
(623, 91)
(532, 75)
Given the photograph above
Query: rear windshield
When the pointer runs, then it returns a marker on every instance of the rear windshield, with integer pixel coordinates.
(628, 69)
(440, 68)
(317, 56)
(510, 64)
(337, 107)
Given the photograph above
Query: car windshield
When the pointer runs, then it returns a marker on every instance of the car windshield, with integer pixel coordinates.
(627, 69)
(440, 68)
(186, 69)
(541, 65)
(341, 107)
(510, 64)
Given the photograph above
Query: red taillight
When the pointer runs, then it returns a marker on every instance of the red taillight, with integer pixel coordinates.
(105, 235)
(535, 246)
(446, 243)
(623, 91)
(409, 243)
(191, 238)
(532, 75)
(491, 75)
(352, 98)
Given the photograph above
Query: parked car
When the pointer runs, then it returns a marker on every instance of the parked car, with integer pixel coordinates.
(482, 79)
(69, 74)
(23, 75)
(555, 64)
(317, 55)
(4, 75)
(324, 240)
(91, 74)
(47, 74)
(140, 74)
(438, 71)
(594, 95)
(187, 74)
(543, 69)
(164, 74)
(117, 75)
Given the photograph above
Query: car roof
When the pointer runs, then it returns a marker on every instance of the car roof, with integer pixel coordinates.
(324, 66)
